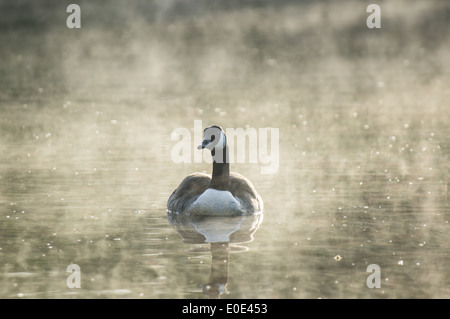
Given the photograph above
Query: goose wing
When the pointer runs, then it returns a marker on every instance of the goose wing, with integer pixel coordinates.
(243, 189)
(188, 191)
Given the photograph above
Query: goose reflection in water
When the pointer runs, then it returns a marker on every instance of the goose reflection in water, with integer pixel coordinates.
(224, 234)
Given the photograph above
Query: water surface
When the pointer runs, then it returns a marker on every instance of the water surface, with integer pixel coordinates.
(86, 118)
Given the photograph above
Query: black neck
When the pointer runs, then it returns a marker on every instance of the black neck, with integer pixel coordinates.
(221, 171)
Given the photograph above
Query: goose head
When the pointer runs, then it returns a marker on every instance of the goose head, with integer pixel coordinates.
(215, 140)
(213, 137)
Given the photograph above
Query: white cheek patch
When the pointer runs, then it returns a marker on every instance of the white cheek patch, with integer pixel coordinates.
(221, 142)
(219, 150)
(210, 146)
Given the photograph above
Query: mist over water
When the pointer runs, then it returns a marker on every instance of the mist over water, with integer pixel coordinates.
(86, 117)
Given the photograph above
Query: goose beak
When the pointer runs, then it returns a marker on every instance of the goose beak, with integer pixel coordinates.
(204, 143)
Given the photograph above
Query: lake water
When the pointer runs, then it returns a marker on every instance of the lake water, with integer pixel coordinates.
(86, 120)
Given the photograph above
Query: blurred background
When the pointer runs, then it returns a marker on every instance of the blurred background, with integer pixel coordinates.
(86, 117)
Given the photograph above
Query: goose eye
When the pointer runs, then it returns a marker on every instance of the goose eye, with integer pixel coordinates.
(213, 137)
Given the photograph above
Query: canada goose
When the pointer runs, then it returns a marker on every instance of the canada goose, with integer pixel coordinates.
(221, 194)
